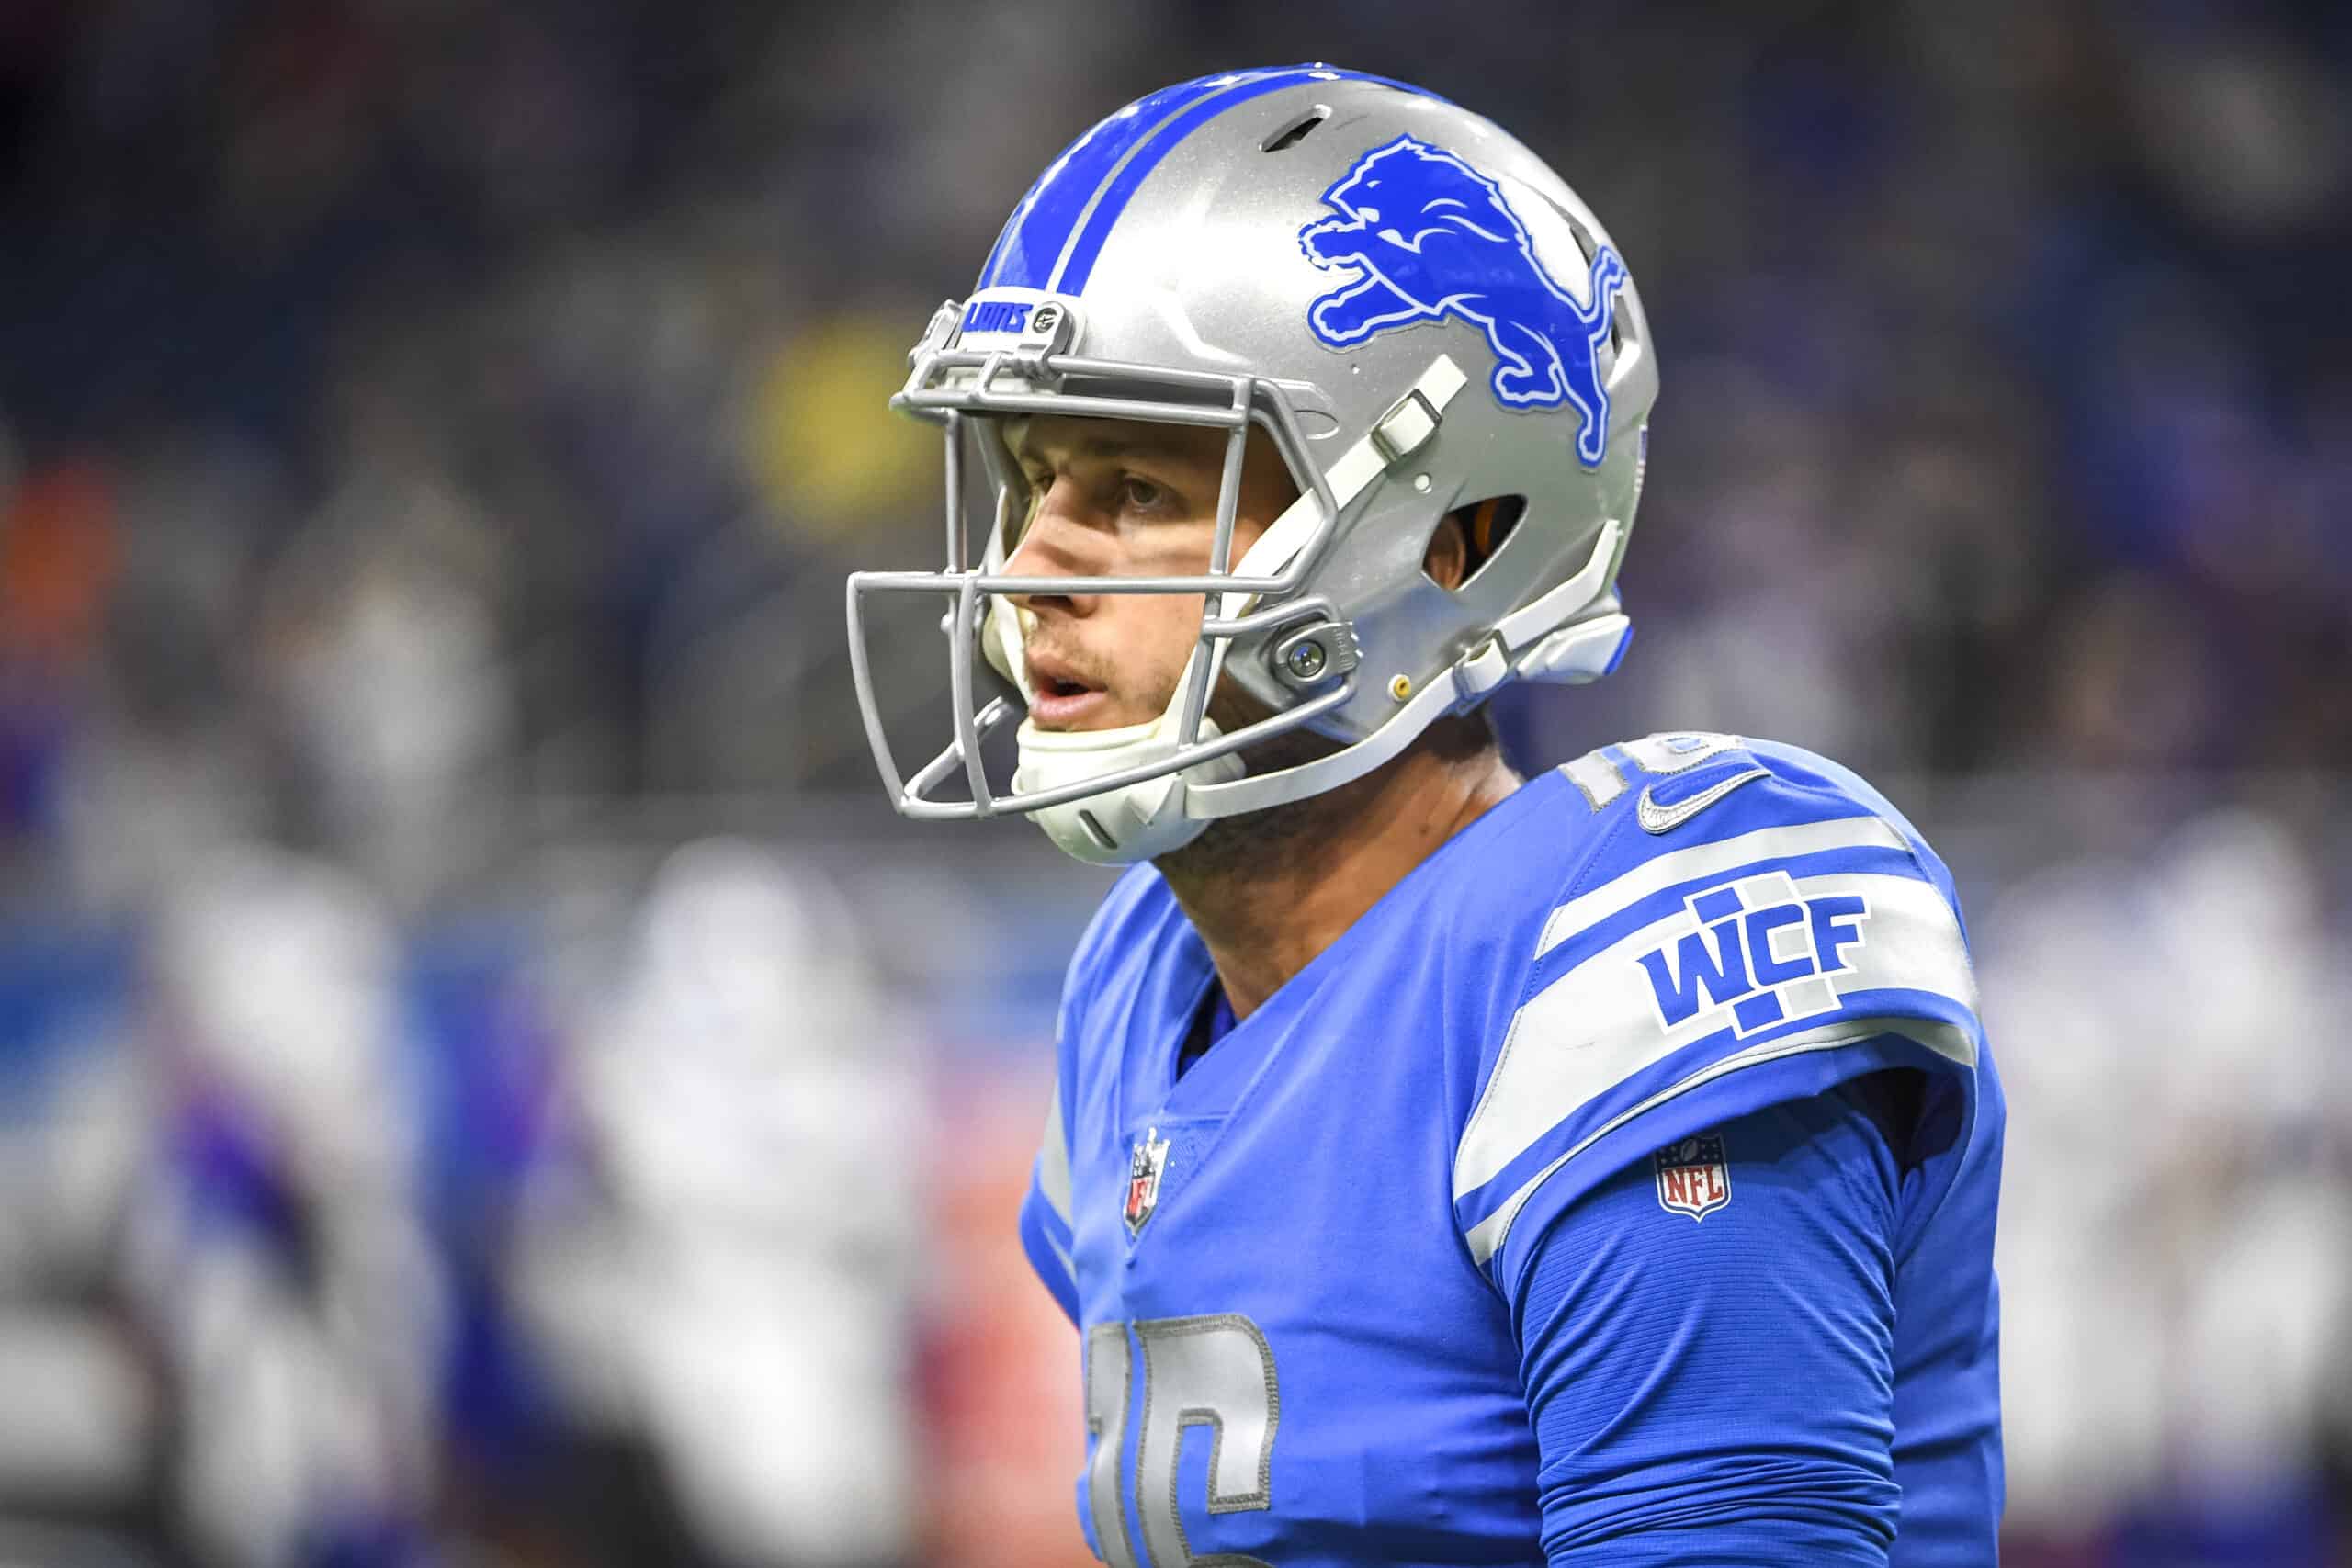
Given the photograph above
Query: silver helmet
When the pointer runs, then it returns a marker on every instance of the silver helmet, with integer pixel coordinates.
(1422, 317)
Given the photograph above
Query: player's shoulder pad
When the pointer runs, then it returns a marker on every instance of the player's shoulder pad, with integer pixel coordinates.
(1749, 923)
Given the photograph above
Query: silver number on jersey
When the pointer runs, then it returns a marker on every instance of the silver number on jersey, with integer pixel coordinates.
(1602, 780)
(1106, 1423)
(1216, 1371)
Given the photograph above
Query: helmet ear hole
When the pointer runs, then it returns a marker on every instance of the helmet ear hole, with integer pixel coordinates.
(1483, 526)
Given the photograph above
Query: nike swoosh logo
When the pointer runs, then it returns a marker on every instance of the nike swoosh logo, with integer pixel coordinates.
(1657, 818)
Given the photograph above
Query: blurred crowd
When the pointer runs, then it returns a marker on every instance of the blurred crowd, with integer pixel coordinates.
(322, 1244)
(432, 436)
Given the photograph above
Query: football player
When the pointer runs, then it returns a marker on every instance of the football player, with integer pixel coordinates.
(1443, 1167)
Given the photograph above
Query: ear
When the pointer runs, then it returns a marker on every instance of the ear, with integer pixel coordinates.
(1447, 562)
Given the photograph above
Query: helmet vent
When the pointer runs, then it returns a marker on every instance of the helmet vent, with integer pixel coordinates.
(1591, 248)
(1293, 130)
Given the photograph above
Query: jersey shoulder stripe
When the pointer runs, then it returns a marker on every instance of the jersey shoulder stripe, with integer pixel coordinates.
(1786, 915)
(1052, 1170)
(1046, 1219)
(1127, 915)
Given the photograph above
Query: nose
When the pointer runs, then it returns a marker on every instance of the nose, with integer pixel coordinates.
(1056, 543)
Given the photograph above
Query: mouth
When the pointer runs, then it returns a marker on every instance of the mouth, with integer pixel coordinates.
(1060, 698)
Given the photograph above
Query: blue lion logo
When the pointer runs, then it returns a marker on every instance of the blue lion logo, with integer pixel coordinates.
(1433, 237)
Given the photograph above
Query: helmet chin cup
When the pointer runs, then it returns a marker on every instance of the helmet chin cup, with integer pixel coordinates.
(1131, 823)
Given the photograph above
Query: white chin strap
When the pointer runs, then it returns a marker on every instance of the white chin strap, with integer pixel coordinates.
(1134, 822)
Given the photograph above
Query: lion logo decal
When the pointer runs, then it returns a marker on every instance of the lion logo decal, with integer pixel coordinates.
(1429, 237)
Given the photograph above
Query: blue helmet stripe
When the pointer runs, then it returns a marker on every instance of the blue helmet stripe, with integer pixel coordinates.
(1070, 276)
(1039, 229)
(1055, 234)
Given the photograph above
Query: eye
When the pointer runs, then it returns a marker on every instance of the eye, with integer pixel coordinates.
(1140, 494)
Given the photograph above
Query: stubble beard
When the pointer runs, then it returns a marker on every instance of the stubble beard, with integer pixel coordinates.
(1281, 842)
(1276, 842)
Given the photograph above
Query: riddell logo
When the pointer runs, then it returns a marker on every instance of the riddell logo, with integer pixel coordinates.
(1756, 951)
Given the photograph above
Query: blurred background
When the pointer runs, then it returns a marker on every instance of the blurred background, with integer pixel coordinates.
(485, 1080)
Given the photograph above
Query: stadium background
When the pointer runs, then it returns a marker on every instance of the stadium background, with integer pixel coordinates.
(485, 1081)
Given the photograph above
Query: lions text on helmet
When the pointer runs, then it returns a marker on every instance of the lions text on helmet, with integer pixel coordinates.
(1347, 308)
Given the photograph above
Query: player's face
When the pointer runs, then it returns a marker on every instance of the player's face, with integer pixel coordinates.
(1118, 498)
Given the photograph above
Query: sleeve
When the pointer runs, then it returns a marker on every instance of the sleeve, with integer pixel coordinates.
(1764, 953)
(1707, 1346)
(1045, 1213)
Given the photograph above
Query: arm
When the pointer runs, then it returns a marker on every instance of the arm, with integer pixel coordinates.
(1720, 1393)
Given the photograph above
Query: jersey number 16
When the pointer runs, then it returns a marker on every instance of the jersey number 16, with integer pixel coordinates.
(1215, 1372)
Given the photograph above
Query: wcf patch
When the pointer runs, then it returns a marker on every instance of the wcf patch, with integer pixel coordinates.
(1755, 954)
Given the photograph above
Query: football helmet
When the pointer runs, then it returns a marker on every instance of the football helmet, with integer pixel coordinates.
(1422, 317)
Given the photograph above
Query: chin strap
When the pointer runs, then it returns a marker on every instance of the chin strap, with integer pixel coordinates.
(1394, 437)
(1528, 643)
(1134, 822)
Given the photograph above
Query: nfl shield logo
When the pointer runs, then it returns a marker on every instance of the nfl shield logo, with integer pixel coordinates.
(1692, 1176)
(1144, 1166)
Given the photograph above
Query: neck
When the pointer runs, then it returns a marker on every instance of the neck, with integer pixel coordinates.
(1270, 891)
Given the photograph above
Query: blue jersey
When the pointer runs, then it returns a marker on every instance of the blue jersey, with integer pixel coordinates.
(1635, 1157)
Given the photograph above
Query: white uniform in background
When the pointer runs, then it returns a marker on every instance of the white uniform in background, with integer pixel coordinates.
(757, 1118)
(306, 1389)
(2175, 1251)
